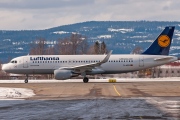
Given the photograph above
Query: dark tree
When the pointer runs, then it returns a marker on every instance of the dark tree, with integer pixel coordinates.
(103, 48)
(38, 47)
(96, 48)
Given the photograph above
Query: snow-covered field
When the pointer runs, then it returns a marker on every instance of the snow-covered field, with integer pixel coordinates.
(15, 93)
(92, 109)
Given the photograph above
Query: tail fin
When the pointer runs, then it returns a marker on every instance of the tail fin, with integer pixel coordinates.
(162, 43)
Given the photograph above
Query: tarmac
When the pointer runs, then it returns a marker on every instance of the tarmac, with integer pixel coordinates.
(98, 99)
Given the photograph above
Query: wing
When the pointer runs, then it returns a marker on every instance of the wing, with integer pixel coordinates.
(86, 67)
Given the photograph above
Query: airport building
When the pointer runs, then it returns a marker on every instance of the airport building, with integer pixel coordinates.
(169, 70)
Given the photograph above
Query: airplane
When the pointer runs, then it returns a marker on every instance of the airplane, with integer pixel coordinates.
(67, 66)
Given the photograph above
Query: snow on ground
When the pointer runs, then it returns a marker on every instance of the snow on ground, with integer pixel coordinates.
(96, 80)
(91, 109)
(120, 30)
(13, 93)
(104, 36)
(60, 32)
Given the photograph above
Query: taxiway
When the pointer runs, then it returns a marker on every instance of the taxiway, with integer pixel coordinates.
(133, 99)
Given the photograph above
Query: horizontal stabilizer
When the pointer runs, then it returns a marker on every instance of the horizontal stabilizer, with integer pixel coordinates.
(164, 58)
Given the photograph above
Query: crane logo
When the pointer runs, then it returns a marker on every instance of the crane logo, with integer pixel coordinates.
(163, 41)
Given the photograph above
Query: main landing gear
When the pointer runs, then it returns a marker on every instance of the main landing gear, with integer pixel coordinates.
(85, 79)
(26, 80)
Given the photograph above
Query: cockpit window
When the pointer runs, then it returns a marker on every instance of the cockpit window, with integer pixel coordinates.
(13, 61)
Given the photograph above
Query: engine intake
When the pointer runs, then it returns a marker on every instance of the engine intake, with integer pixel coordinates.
(62, 74)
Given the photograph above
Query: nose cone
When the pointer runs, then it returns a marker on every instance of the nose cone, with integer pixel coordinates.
(4, 67)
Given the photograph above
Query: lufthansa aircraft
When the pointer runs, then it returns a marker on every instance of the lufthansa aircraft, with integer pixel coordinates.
(68, 66)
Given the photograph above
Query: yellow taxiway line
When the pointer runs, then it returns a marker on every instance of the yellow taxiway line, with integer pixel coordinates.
(116, 90)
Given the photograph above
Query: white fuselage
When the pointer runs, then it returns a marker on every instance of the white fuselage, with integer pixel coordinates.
(46, 64)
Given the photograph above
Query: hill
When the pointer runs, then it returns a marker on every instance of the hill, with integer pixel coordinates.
(120, 36)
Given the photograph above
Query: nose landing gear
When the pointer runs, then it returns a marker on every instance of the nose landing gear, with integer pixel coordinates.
(26, 80)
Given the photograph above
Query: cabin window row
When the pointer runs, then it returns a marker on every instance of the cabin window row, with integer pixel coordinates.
(81, 61)
(170, 71)
(120, 60)
(65, 61)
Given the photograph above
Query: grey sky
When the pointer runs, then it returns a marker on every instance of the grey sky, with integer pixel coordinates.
(42, 14)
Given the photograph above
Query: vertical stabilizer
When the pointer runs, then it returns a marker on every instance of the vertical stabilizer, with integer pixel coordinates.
(162, 43)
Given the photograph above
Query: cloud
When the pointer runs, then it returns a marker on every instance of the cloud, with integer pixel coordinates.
(42, 4)
(42, 14)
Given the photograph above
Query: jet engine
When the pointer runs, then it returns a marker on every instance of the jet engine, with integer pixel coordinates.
(61, 74)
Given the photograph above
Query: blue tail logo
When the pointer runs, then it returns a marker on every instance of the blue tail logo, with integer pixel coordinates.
(161, 45)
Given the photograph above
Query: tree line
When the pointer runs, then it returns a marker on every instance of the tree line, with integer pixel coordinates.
(72, 45)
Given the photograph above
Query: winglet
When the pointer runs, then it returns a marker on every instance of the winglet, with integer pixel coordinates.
(107, 57)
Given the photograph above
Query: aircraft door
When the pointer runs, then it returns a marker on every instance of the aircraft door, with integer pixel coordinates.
(141, 62)
(25, 62)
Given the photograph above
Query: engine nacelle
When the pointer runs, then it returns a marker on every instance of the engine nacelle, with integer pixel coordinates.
(61, 74)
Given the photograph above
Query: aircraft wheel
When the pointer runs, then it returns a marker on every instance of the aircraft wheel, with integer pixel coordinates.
(26, 80)
(86, 80)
